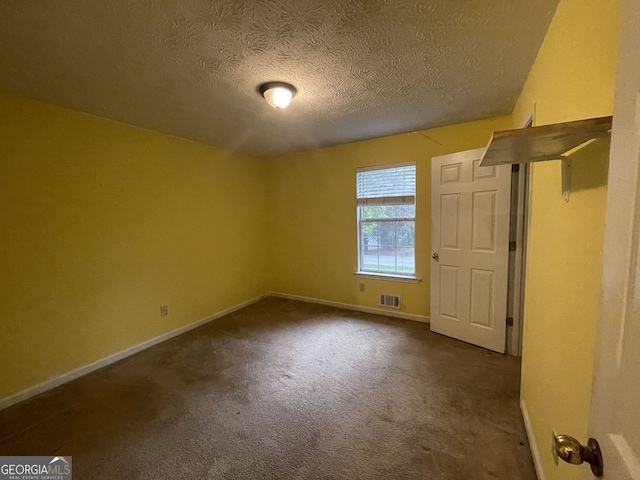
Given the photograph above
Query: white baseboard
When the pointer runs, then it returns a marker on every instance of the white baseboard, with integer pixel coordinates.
(103, 362)
(535, 452)
(358, 308)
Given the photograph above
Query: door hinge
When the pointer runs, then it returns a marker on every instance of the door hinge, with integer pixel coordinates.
(509, 321)
(515, 167)
(512, 246)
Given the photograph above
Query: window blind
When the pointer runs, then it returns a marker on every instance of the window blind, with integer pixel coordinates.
(386, 185)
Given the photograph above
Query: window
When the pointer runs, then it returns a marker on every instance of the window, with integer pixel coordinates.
(386, 219)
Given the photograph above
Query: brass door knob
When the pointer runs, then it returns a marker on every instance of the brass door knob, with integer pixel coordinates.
(572, 451)
(435, 256)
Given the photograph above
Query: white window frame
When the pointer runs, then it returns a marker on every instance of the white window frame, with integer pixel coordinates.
(397, 200)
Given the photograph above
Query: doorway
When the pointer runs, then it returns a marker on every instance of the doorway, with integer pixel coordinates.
(520, 174)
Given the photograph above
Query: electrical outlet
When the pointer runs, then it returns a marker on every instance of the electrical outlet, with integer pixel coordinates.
(164, 310)
(362, 287)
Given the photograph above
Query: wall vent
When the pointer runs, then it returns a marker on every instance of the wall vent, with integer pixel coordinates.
(392, 301)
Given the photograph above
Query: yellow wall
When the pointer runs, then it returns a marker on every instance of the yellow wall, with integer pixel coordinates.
(102, 223)
(313, 214)
(572, 78)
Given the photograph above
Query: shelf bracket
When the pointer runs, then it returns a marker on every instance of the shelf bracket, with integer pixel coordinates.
(565, 158)
(566, 176)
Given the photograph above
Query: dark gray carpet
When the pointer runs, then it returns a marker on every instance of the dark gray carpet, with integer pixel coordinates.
(287, 390)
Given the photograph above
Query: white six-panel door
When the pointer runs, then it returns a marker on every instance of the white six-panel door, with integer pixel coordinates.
(615, 415)
(470, 246)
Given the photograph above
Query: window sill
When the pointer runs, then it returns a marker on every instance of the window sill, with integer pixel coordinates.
(386, 276)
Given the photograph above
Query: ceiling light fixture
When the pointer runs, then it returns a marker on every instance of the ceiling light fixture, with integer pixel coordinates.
(277, 94)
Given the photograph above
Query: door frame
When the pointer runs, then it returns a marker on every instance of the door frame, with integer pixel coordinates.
(620, 257)
(517, 295)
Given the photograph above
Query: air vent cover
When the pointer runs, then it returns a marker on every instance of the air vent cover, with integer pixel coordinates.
(392, 301)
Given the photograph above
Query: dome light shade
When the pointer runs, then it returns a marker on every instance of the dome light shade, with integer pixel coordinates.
(277, 94)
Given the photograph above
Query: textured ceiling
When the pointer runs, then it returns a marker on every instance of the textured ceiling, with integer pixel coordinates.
(190, 68)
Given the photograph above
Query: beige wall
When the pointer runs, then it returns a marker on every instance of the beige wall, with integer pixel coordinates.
(572, 78)
(102, 223)
(313, 226)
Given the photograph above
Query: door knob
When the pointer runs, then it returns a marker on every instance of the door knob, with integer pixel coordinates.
(571, 451)
(435, 256)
